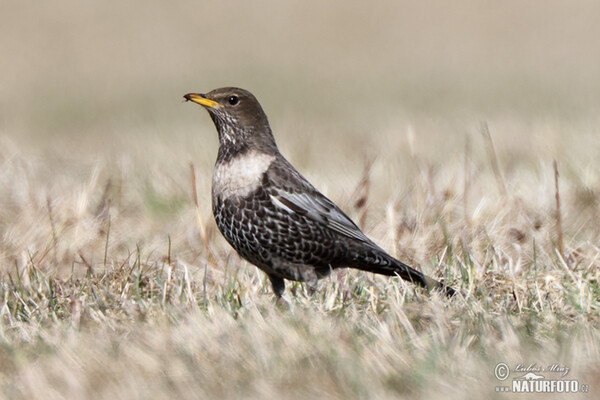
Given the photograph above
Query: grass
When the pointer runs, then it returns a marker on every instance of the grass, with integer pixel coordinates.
(462, 140)
(89, 312)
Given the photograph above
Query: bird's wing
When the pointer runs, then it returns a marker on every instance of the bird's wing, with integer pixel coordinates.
(318, 208)
(293, 193)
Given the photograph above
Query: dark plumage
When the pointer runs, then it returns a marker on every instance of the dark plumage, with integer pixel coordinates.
(271, 215)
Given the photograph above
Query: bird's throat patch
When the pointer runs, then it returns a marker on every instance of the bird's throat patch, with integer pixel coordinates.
(241, 175)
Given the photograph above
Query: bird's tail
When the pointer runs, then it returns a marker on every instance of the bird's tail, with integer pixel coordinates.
(387, 265)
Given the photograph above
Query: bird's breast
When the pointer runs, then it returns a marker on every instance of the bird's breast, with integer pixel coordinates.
(240, 175)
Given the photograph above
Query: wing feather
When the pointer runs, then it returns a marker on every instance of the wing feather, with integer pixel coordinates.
(320, 209)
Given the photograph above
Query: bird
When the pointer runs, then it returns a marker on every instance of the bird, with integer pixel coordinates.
(274, 217)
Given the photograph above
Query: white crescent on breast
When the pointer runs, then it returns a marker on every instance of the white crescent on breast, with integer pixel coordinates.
(241, 175)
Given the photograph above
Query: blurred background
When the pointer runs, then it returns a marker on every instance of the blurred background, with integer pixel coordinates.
(98, 86)
(95, 70)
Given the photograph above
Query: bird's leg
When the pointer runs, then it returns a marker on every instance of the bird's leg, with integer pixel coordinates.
(311, 287)
(278, 285)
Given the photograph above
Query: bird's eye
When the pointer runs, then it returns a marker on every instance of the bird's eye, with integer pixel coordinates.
(233, 100)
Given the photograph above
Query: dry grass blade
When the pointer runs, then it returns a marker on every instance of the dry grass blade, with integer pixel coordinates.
(493, 159)
(559, 232)
(360, 195)
(199, 219)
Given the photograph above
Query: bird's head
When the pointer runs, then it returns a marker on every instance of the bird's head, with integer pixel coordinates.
(238, 117)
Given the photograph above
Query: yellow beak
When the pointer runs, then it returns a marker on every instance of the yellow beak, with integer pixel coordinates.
(203, 101)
